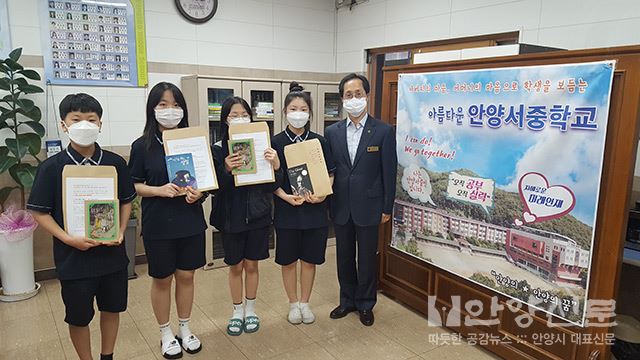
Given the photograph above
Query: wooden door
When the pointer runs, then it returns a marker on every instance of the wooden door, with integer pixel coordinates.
(412, 281)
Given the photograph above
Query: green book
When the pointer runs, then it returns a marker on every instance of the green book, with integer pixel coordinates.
(247, 152)
(102, 219)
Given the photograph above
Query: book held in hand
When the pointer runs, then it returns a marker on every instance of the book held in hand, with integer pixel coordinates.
(102, 219)
(181, 171)
(308, 170)
(300, 180)
(246, 149)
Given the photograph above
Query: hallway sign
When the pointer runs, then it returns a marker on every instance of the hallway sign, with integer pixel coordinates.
(499, 175)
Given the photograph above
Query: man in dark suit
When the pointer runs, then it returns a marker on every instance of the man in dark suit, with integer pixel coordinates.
(364, 151)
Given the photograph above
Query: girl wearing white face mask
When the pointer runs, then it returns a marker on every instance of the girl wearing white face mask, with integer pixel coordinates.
(300, 218)
(243, 216)
(173, 226)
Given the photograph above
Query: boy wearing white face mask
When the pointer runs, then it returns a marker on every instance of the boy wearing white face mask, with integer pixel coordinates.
(173, 226)
(300, 218)
(86, 269)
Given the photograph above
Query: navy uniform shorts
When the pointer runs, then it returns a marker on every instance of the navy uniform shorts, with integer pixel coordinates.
(110, 292)
(308, 245)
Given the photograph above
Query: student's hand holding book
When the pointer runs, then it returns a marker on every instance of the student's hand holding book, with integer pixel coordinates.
(81, 243)
(310, 198)
(115, 242)
(193, 195)
(294, 200)
(233, 161)
(168, 190)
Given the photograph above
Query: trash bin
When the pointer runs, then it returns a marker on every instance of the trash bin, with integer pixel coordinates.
(130, 245)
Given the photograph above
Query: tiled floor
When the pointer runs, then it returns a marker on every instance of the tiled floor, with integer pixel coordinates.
(35, 329)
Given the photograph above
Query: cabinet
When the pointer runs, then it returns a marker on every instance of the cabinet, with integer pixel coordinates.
(204, 97)
(327, 105)
(265, 99)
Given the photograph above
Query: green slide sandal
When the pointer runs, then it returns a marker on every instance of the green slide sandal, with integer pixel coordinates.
(235, 327)
(251, 320)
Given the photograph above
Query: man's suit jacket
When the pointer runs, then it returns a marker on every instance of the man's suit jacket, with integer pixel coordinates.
(365, 189)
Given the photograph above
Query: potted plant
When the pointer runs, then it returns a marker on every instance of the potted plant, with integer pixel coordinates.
(19, 158)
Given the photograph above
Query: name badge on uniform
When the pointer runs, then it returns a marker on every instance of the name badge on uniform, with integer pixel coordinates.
(53, 147)
(373, 149)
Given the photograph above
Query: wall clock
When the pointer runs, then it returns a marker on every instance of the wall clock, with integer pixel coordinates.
(198, 11)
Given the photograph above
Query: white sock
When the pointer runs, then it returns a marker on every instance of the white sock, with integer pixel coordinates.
(183, 328)
(166, 333)
(250, 307)
(238, 311)
(307, 315)
(295, 317)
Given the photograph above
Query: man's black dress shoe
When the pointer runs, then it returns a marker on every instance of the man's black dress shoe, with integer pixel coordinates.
(340, 312)
(366, 317)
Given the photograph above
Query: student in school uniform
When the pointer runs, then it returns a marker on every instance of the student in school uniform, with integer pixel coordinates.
(87, 269)
(243, 216)
(173, 226)
(300, 218)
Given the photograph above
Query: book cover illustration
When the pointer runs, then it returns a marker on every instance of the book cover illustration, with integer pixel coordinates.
(246, 149)
(102, 220)
(300, 180)
(181, 170)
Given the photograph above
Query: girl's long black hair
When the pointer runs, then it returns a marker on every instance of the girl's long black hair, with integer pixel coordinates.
(155, 95)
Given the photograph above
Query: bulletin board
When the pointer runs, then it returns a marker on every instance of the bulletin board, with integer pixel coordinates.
(437, 292)
(94, 42)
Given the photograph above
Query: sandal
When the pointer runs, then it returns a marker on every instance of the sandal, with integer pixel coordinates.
(190, 343)
(171, 346)
(235, 323)
(251, 320)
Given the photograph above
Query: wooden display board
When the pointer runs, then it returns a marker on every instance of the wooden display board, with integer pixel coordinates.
(412, 281)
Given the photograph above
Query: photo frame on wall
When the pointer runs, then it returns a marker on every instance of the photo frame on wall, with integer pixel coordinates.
(94, 43)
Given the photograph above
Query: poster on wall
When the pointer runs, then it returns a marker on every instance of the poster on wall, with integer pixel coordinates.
(94, 42)
(499, 176)
(5, 34)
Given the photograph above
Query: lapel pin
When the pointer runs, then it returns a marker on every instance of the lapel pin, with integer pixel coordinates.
(369, 131)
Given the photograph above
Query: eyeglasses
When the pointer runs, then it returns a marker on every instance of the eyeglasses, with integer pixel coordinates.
(357, 94)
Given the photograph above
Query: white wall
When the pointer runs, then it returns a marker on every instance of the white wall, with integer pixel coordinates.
(569, 24)
(267, 34)
(295, 35)
(304, 35)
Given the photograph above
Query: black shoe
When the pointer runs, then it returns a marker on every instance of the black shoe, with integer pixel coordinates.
(340, 312)
(366, 317)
